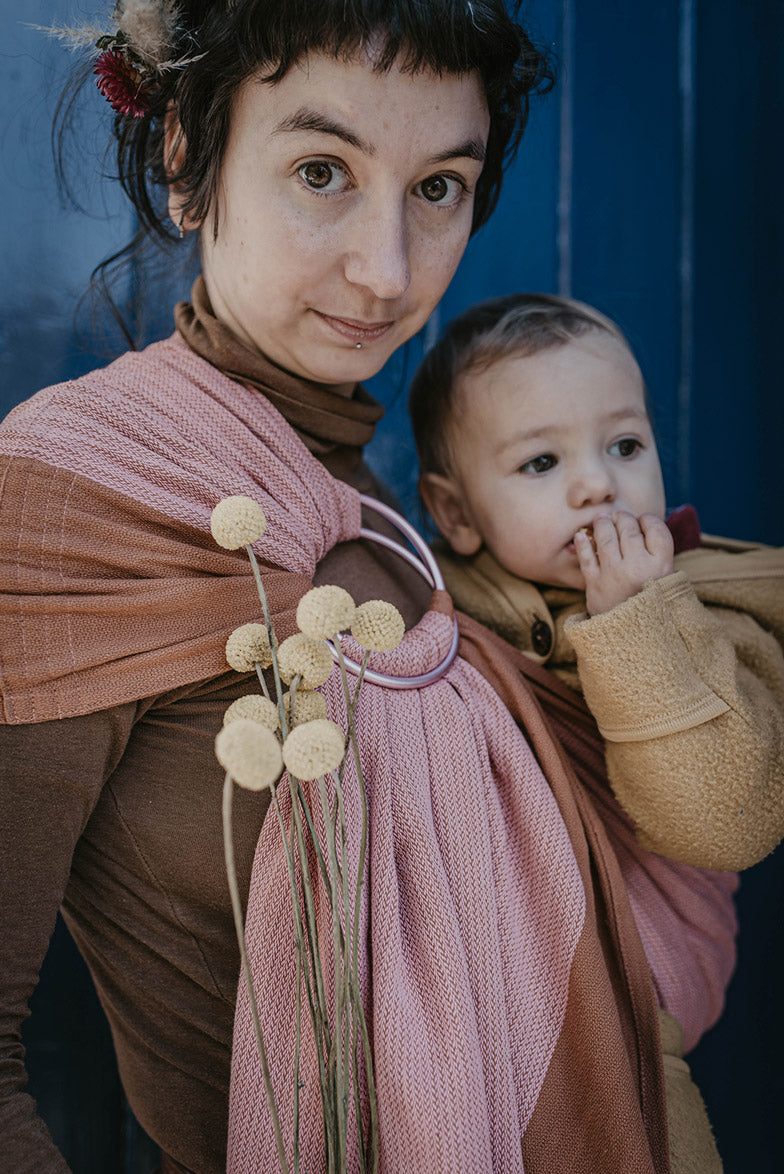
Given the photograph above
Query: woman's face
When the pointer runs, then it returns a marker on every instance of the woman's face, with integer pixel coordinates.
(344, 207)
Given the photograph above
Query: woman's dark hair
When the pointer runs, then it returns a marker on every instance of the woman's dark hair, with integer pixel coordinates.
(515, 325)
(227, 41)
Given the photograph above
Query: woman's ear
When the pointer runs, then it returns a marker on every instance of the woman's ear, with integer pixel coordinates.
(174, 155)
(444, 498)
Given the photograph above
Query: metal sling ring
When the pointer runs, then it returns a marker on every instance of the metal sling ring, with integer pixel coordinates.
(429, 570)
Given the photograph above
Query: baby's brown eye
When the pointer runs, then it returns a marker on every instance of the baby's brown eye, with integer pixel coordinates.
(541, 464)
(316, 175)
(435, 188)
(626, 447)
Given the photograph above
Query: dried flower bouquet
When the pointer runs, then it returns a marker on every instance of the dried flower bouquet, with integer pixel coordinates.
(262, 736)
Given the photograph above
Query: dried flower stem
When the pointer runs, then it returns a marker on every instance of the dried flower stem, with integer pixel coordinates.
(298, 1020)
(305, 810)
(303, 974)
(236, 906)
(318, 1005)
(350, 974)
(336, 1059)
(359, 1022)
(273, 640)
(355, 1025)
(309, 908)
(293, 699)
(351, 703)
(262, 682)
(297, 1046)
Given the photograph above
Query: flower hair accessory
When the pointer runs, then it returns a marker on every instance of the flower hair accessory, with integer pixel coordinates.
(126, 84)
(134, 53)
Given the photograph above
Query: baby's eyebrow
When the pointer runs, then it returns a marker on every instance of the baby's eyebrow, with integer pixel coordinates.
(551, 431)
(526, 434)
(633, 413)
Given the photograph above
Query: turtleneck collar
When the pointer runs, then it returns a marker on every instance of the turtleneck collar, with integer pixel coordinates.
(334, 427)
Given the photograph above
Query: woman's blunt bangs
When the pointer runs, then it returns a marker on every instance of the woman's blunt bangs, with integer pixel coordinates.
(230, 40)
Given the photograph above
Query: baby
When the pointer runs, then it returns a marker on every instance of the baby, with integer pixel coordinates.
(539, 466)
(551, 459)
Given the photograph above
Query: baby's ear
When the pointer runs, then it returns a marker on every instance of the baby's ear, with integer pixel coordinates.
(444, 498)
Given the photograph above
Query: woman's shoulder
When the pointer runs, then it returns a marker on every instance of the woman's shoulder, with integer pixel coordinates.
(149, 416)
(141, 430)
(131, 383)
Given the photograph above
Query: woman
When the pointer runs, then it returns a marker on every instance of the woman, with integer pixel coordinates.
(334, 159)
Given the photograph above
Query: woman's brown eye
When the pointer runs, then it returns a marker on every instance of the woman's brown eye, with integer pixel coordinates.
(316, 175)
(435, 188)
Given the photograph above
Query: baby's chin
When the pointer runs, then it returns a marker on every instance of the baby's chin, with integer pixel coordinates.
(560, 570)
(572, 581)
(568, 578)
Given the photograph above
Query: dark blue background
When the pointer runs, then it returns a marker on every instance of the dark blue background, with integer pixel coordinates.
(650, 183)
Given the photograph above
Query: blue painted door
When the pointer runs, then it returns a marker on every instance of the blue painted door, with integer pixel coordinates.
(650, 183)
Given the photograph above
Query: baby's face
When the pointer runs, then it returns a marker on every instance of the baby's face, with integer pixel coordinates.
(543, 445)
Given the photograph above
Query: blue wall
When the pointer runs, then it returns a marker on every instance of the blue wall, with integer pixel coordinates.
(651, 184)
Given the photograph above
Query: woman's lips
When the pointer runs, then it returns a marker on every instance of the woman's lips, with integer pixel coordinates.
(356, 331)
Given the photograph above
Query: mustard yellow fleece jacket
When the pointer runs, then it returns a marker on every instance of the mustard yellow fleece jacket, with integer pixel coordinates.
(685, 681)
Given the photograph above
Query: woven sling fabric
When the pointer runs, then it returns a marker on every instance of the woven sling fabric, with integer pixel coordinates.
(470, 956)
(113, 588)
(511, 998)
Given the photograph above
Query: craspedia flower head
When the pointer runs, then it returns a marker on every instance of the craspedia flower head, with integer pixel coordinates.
(302, 656)
(122, 84)
(256, 708)
(237, 521)
(314, 749)
(325, 611)
(250, 753)
(378, 626)
(248, 646)
(309, 705)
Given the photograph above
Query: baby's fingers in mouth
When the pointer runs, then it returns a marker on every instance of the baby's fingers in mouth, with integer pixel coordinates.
(588, 532)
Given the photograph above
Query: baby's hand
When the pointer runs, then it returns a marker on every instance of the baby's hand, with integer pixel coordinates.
(623, 555)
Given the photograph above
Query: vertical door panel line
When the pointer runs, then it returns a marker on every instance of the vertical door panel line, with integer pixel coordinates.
(565, 150)
(686, 94)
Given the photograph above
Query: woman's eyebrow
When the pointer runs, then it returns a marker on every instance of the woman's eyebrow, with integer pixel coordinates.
(308, 119)
(470, 149)
(313, 120)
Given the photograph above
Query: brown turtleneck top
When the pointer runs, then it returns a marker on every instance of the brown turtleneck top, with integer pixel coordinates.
(115, 816)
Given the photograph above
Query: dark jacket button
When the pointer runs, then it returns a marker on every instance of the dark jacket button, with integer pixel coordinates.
(541, 638)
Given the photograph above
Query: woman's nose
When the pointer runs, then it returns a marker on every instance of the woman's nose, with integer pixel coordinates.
(592, 484)
(377, 255)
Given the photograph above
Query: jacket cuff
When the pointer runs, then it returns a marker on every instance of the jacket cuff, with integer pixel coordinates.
(639, 662)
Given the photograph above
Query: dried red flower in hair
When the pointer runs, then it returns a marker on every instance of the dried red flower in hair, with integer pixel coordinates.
(122, 84)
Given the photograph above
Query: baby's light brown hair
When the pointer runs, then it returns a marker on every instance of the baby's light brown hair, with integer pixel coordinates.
(515, 325)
